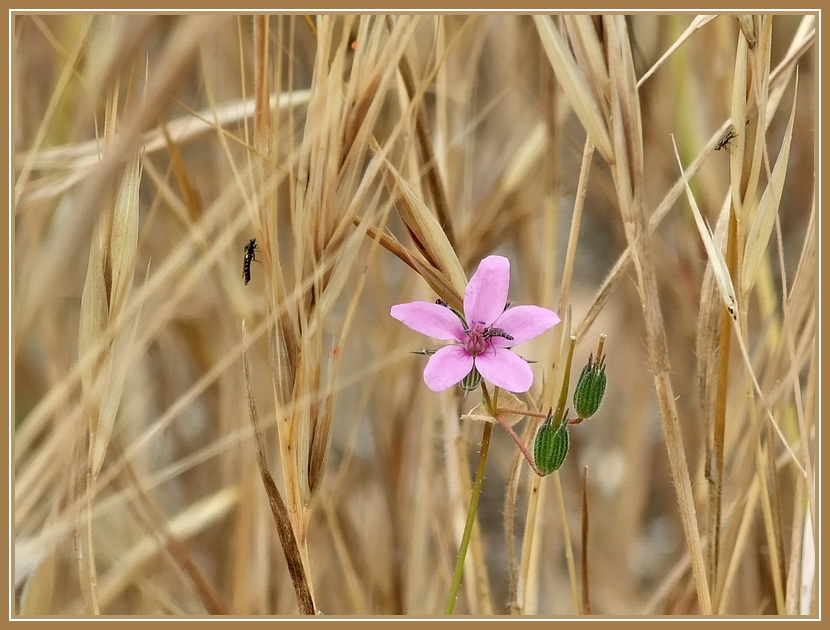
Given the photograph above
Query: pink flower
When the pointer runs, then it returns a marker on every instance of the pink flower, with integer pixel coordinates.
(492, 329)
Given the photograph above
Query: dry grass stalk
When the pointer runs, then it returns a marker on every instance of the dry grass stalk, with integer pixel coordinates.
(626, 160)
(282, 520)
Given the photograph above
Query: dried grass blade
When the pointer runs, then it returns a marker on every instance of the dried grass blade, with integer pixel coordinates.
(322, 414)
(72, 236)
(124, 237)
(320, 440)
(778, 77)
(29, 161)
(748, 28)
(583, 37)
(93, 317)
(436, 280)
(586, 598)
(116, 369)
(696, 24)
(708, 339)
(190, 192)
(751, 371)
(428, 233)
(626, 122)
(36, 597)
(739, 116)
(726, 290)
(808, 569)
(282, 521)
(423, 136)
(750, 98)
(574, 84)
(122, 254)
(627, 168)
(724, 280)
(182, 130)
(760, 229)
(187, 523)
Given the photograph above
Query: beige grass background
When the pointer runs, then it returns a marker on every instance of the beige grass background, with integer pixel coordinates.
(376, 160)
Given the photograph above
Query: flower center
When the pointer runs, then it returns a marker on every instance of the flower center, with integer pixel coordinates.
(476, 339)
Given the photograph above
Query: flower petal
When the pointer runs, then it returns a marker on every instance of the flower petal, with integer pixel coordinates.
(430, 319)
(486, 292)
(505, 369)
(523, 323)
(447, 367)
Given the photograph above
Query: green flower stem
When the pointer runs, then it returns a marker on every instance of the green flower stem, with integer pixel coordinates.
(490, 403)
(471, 517)
(563, 395)
(473, 509)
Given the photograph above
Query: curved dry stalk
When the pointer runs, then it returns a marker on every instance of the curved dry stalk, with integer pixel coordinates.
(297, 564)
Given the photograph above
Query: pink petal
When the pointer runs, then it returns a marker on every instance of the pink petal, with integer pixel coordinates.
(447, 367)
(523, 323)
(430, 319)
(486, 292)
(507, 370)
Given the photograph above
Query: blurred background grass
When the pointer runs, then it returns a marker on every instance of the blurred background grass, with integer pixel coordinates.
(158, 128)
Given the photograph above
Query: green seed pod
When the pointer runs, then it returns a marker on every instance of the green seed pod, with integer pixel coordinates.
(551, 446)
(590, 388)
(471, 381)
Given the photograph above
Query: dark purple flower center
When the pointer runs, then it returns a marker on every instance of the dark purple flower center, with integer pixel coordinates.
(476, 342)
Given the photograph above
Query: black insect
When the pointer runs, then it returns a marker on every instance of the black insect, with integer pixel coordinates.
(495, 332)
(726, 139)
(250, 254)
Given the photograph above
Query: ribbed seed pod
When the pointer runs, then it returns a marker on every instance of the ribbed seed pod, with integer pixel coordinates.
(551, 446)
(590, 388)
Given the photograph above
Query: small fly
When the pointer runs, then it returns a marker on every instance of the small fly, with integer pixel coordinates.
(495, 332)
(726, 139)
(250, 254)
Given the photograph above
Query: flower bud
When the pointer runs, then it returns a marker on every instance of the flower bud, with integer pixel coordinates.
(471, 381)
(590, 388)
(551, 446)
